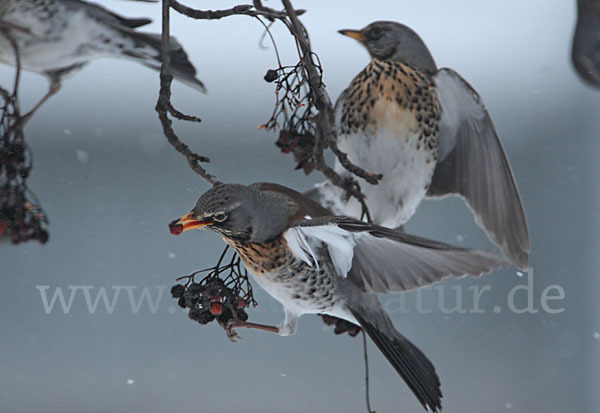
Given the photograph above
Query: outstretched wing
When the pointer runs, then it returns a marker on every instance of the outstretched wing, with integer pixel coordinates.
(300, 204)
(383, 260)
(473, 164)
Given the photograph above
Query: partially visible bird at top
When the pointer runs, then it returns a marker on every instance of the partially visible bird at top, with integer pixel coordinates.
(313, 262)
(585, 52)
(59, 37)
(428, 132)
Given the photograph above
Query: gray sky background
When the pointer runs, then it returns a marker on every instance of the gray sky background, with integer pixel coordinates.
(110, 184)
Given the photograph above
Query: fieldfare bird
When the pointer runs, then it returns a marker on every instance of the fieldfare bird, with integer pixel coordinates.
(313, 262)
(429, 134)
(59, 37)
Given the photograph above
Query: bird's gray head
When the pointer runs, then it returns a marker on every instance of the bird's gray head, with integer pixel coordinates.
(238, 212)
(394, 41)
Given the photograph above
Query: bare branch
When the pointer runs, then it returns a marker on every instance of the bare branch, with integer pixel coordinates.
(209, 14)
(242, 9)
(366, 358)
(164, 106)
(304, 132)
(373, 179)
(324, 120)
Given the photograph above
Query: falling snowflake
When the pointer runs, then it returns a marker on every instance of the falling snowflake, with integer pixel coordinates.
(82, 156)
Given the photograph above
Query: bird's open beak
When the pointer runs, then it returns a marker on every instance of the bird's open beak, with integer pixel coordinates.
(355, 34)
(186, 222)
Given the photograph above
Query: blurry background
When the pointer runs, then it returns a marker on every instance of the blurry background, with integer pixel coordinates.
(110, 183)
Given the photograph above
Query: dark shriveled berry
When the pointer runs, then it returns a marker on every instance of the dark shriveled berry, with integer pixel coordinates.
(42, 236)
(177, 291)
(195, 290)
(202, 317)
(271, 75)
(242, 315)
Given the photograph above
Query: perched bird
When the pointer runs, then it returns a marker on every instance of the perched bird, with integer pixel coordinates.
(313, 262)
(429, 134)
(585, 52)
(59, 37)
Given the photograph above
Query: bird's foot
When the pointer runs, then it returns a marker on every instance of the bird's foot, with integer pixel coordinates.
(341, 326)
(288, 325)
(52, 90)
(232, 324)
(350, 186)
(229, 328)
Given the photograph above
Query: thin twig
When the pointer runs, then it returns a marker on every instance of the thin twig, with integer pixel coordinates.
(324, 120)
(366, 373)
(296, 122)
(241, 9)
(164, 105)
(209, 14)
(373, 179)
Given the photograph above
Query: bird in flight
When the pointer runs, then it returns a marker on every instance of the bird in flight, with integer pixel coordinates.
(427, 131)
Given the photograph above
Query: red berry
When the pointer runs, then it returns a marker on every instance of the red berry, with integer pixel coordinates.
(216, 308)
(240, 303)
(175, 228)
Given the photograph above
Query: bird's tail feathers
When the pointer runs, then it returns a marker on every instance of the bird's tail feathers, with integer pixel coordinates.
(133, 23)
(181, 67)
(410, 362)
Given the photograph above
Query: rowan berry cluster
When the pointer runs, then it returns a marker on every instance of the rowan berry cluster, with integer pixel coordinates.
(222, 295)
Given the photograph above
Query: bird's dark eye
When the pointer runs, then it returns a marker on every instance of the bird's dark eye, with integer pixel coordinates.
(375, 33)
(219, 217)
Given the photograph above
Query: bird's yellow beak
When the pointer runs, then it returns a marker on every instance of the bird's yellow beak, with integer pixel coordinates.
(355, 34)
(186, 222)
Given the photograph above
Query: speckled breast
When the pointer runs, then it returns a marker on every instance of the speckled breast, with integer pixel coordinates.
(385, 87)
(289, 280)
(388, 124)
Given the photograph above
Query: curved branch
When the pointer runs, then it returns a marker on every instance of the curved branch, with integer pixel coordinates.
(324, 118)
(254, 10)
(164, 107)
(311, 74)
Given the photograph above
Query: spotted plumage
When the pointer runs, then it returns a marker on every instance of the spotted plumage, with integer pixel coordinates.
(387, 85)
(279, 272)
(428, 133)
(388, 122)
(59, 37)
(315, 263)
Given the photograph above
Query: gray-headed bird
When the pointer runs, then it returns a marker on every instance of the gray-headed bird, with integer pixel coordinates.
(313, 262)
